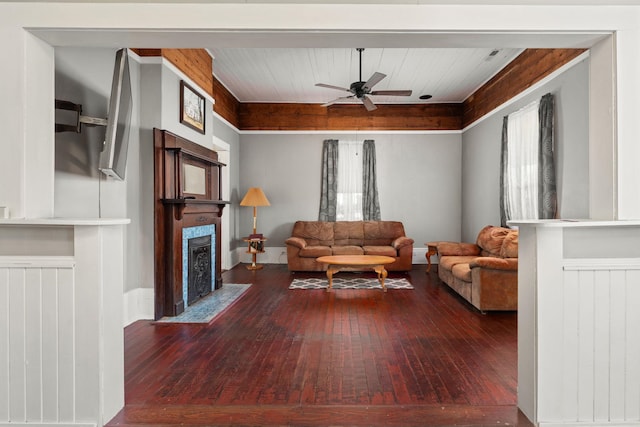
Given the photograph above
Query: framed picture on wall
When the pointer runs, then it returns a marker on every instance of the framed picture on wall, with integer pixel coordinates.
(192, 107)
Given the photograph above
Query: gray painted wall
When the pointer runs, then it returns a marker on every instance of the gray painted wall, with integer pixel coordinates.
(84, 76)
(481, 154)
(419, 181)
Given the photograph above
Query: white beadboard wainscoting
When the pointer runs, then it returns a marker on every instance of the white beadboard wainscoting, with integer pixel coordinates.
(61, 334)
(579, 323)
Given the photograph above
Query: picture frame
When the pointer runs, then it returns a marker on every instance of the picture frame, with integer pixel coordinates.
(192, 108)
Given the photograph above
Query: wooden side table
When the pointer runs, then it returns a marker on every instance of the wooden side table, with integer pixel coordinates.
(255, 246)
(432, 249)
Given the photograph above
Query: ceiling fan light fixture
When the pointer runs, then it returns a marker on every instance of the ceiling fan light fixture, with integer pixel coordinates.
(361, 89)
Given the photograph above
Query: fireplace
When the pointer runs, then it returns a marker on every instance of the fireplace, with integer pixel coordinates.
(198, 262)
(187, 212)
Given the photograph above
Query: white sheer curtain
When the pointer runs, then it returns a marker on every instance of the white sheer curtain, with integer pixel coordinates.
(349, 181)
(521, 178)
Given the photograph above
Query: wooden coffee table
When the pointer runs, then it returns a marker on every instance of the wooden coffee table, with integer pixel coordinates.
(338, 263)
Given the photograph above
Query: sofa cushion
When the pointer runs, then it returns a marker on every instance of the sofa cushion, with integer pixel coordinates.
(457, 249)
(347, 250)
(510, 245)
(348, 233)
(490, 240)
(315, 251)
(447, 262)
(462, 272)
(380, 251)
(381, 233)
(314, 232)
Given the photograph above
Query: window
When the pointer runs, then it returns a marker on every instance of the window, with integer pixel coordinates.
(521, 178)
(349, 196)
(528, 179)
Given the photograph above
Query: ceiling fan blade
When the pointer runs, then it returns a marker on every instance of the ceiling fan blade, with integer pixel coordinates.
(336, 100)
(374, 79)
(368, 103)
(392, 92)
(332, 87)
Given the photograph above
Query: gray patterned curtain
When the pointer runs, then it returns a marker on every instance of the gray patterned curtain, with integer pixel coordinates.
(329, 182)
(504, 209)
(547, 195)
(547, 199)
(370, 203)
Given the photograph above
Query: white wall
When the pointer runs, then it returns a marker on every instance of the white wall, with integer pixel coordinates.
(481, 153)
(419, 180)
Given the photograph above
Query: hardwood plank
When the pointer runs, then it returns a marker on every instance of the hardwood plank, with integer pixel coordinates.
(356, 357)
(321, 415)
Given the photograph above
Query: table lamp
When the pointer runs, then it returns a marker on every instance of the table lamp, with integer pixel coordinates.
(255, 197)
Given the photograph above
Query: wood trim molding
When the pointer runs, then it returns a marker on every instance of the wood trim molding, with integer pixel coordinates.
(531, 66)
(226, 105)
(527, 69)
(195, 63)
(290, 117)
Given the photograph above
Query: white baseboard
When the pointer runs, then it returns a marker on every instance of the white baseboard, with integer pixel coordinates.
(138, 305)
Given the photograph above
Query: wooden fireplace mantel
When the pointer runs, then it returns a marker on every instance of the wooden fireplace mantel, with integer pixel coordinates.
(187, 191)
(182, 204)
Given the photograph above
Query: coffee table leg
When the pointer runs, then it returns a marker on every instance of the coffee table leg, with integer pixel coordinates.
(382, 274)
(330, 271)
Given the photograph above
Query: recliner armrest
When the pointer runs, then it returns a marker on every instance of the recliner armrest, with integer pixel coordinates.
(495, 263)
(458, 249)
(297, 242)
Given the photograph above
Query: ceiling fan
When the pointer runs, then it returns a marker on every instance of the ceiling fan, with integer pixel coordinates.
(361, 90)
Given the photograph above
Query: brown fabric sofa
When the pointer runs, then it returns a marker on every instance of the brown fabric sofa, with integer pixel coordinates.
(484, 273)
(312, 239)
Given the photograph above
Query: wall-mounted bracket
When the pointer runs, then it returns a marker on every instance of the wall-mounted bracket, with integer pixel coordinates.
(79, 118)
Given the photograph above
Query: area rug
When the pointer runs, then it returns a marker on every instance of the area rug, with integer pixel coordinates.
(204, 310)
(349, 283)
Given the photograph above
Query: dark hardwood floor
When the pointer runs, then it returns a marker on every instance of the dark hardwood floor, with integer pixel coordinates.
(421, 357)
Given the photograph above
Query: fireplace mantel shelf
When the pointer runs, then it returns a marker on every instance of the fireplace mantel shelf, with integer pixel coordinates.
(195, 202)
(181, 204)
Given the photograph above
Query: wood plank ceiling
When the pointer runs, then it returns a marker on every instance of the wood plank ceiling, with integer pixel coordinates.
(288, 104)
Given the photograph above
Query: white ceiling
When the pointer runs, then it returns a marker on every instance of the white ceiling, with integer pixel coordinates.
(289, 75)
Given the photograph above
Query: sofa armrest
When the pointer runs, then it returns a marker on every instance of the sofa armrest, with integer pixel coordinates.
(401, 242)
(297, 242)
(495, 263)
(458, 249)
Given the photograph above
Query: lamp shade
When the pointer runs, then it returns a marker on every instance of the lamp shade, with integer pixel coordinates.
(255, 197)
